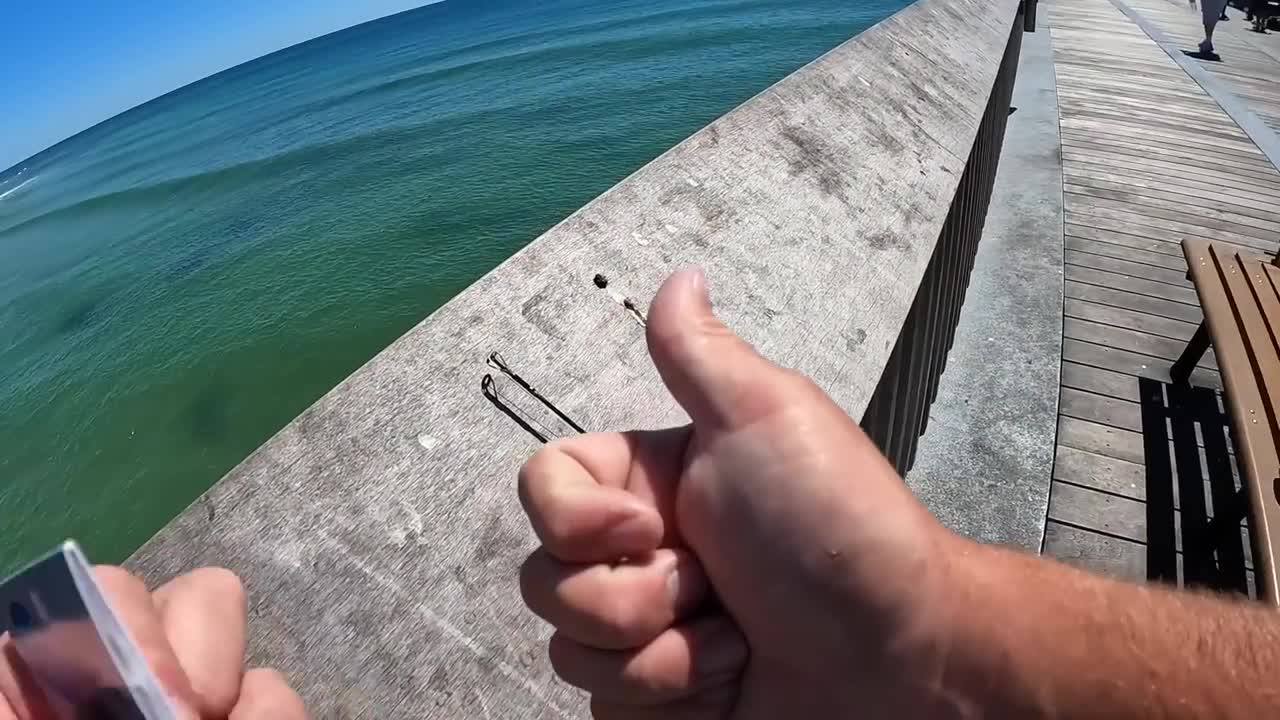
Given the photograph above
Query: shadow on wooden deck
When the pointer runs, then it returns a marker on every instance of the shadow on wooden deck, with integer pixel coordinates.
(1195, 509)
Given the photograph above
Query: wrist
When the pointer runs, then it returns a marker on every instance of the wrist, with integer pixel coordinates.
(990, 603)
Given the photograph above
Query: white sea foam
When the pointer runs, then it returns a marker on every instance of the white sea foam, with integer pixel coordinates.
(18, 187)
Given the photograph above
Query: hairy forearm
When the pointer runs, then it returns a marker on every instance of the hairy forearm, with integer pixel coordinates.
(1034, 638)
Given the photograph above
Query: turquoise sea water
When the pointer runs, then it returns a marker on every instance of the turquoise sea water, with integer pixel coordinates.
(179, 282)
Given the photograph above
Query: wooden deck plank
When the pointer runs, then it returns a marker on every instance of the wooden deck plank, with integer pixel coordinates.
(1100, 439)
(1124, 318)
(1107, 263)
(1087, 469)
(1130, 363)
(1251, 205)
(1126, 252)
(1095, 552)
(1172, 168)
(1122, 239)
(1133, 301)
(1162, 238)
(1134, 341)
(1158, 223)
(1138, 132)
(1098, 145)
(1129, 283)
(1099, 380)
(1136, 117)
(1112, 514)
(1188, 209)
(1184, 219)
(1082, 405)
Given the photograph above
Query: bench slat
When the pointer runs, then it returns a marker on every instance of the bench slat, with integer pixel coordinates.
(1243, 342)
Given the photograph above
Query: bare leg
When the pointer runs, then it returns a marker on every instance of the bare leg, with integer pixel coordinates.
(1210, 12)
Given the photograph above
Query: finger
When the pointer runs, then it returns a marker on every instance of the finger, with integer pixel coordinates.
(719, 379)
(645, 463)
(614, 607)
(132, 604)
(581, 518)
(266, 695)
(702, 657)
(203, 614)
(20, 694)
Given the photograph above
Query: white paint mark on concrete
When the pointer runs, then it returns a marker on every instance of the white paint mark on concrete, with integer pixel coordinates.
(453, 632)
(405, 526)
(670, 228)
(692, 182)
(640, 239)
(287, 552)
(428, 442)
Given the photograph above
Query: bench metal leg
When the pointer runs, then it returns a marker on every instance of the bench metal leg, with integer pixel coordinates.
(1181, 371)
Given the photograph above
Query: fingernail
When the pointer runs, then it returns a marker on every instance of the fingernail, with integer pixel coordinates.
(686, 585)
(698, 280)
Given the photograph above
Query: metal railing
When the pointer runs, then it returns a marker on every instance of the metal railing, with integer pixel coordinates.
(899, 410)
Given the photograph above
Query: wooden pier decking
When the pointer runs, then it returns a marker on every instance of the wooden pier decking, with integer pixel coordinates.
(1150, 157)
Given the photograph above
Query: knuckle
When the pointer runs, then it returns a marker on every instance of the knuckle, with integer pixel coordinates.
(538, 467)
(221, 583)
(560, 528)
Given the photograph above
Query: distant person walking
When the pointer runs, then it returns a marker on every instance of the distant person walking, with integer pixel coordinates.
(1260, 13)
(1211, 11)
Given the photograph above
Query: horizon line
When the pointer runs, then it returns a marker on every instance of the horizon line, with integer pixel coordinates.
(210, 76)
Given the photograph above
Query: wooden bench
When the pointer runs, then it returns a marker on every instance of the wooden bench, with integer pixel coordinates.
(1240, 296)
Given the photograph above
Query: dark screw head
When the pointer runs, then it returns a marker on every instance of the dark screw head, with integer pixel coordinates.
(601, 281)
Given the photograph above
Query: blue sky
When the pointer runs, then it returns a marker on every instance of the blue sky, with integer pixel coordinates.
(66, 65)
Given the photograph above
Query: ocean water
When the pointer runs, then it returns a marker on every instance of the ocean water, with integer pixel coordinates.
(178, 283)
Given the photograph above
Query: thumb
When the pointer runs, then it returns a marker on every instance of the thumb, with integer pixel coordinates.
(716, 376)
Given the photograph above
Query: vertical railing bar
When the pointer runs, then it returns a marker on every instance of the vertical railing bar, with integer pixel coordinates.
(898, 412)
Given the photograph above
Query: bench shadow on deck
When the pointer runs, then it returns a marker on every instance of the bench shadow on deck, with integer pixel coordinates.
(1154, 520)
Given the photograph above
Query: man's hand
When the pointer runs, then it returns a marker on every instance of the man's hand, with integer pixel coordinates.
(766, 562)
(192, 632)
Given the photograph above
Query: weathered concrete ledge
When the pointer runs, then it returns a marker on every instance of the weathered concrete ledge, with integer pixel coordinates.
(379, 534)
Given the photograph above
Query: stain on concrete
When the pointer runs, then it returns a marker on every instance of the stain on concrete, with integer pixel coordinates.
(888, 240)
(854, 340)
(536, 312)
(811, 156)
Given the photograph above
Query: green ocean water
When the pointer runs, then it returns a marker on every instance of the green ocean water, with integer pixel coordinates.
(178, 283)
